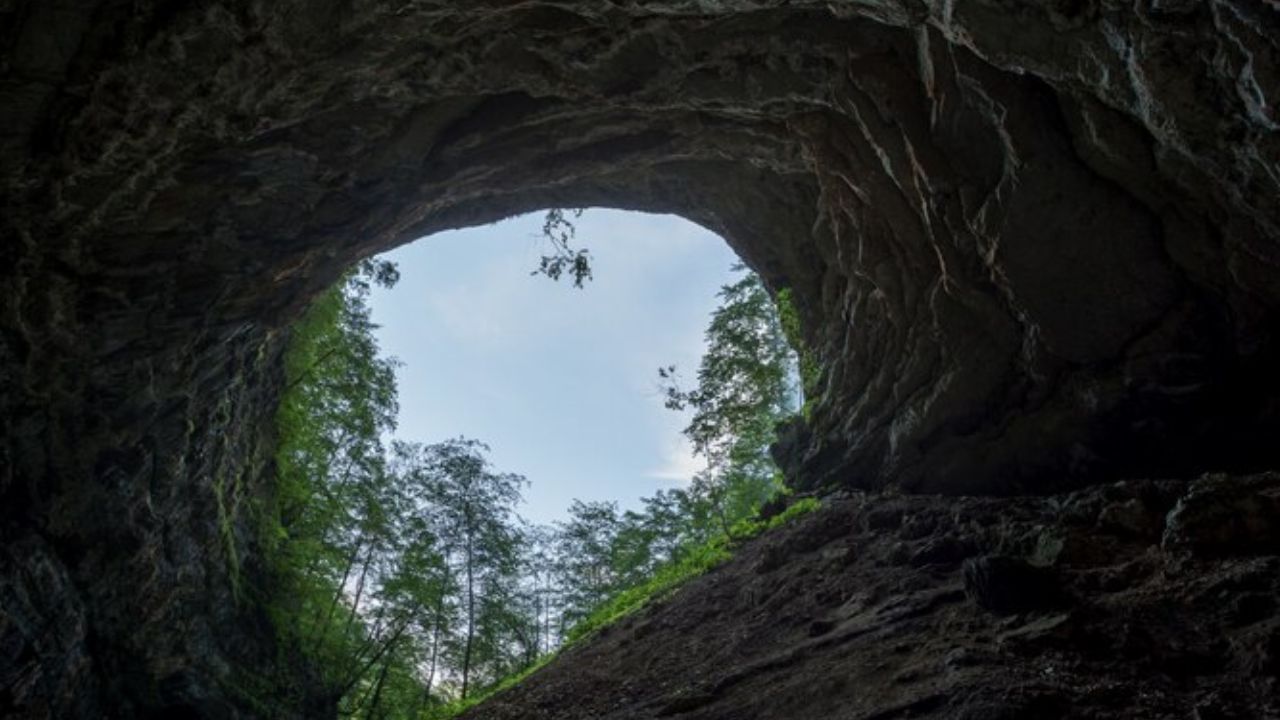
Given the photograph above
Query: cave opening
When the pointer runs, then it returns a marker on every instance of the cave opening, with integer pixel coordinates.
(477, 467)
(561, 381)
(1033, 246)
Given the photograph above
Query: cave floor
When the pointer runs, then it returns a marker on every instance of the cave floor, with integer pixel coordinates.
(1137, 599)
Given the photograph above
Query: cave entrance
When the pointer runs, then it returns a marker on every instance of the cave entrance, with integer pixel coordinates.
(1033, 251)
(515, 479)
(560, 382)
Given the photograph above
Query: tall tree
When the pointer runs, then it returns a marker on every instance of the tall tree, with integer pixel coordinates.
(411, 580)
(331, 528)
(479, 529)
(585, 545)
(746, 385)
(541, 573)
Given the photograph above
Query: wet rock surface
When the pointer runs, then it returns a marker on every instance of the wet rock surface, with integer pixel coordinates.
(1123, 626)
(1033, 245)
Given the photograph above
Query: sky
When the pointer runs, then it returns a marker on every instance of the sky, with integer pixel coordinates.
(561, 383)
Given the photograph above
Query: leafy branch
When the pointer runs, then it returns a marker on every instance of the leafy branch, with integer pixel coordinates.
(564, 259)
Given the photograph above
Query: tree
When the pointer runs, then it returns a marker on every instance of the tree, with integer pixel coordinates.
(541, 574)
(330, 527)
(402, 569)
(478, 530)
(585, 545)
(409, 578)
(746, 385)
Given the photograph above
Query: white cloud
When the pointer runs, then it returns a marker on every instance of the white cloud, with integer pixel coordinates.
(466, 320)
(679, 464)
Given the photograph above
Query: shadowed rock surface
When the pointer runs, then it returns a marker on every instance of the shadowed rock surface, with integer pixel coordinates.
(1033, 244)
(877, 613)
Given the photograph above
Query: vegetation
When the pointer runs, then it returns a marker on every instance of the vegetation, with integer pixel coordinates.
(404, 573)
(789, 317)
(691, 563)
(746, 387)
(559, 231)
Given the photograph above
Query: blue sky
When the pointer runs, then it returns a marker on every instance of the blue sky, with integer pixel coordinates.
(560, 382)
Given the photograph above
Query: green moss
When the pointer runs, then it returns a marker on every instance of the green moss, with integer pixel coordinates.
(227, 532)
(227, 494)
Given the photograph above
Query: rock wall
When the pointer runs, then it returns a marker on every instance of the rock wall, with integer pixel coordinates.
(1129, 600)
(1034, 245)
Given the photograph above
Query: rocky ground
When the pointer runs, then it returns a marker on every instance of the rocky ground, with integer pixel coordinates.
(1139, 599)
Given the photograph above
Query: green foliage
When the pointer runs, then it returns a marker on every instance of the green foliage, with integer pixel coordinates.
(559, 231)
(745, 388)
(693, 562)
(457, 707)
(402, 570)
(664, 581)
(611, 564)
(473, 519)
(354, 570)
(400, 566)
(810, 371)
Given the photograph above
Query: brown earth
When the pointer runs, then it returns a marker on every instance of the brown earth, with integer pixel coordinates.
(1133, 600)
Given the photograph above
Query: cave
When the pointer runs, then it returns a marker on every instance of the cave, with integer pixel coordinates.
(1034, 247)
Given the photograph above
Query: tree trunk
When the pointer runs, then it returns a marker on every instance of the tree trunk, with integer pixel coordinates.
(425, 698)
(359, 672)
(355, 605)
(333, 605)
(377, 688)
(471, 610)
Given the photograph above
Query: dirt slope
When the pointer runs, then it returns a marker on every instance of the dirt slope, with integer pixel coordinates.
(1119, 601)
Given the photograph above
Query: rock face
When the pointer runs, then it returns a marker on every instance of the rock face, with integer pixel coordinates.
(1033, 243)
(1097, 604)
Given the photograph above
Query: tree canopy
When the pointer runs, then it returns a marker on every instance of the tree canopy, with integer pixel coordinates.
(404, 571)
(746, 386)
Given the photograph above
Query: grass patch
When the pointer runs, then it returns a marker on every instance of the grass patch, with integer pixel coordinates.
(457, 707)
(693, 562)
